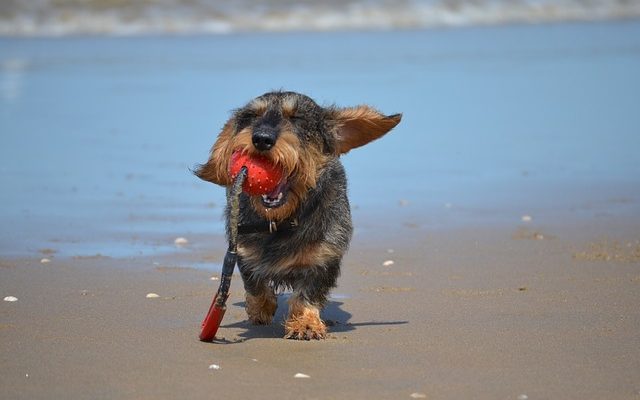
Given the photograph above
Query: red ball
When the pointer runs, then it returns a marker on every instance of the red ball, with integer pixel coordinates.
(263, 176)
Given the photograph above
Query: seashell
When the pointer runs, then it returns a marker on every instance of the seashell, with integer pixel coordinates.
(181, 241)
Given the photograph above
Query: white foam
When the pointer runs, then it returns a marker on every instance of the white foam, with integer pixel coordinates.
(65, 17)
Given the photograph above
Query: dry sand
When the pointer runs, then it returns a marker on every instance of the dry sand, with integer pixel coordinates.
(486, 314)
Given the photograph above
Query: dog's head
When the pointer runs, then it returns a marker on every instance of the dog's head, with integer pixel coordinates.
(298, 135)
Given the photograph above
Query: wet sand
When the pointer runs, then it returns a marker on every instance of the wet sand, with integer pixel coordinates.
(477, 313)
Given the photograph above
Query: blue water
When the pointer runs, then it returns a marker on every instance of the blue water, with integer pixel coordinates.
(98, 134)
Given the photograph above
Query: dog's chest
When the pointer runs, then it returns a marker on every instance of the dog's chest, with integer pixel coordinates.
(273, 255)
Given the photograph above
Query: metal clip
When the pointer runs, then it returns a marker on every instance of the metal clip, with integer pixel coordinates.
(273, 227)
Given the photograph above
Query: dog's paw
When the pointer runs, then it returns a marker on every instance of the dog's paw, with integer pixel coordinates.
(261, 309)
(307, 334)
(305, 326)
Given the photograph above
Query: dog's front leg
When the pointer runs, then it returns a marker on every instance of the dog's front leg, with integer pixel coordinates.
(260, 299)
(261, 307)
(310, 293)
(303, 321)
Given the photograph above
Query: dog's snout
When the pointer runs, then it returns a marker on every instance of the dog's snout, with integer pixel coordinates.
(264, 138)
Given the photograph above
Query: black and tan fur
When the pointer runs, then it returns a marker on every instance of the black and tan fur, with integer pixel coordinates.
(306, 140)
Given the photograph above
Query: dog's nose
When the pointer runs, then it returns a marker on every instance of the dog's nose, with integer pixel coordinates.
(264, 138)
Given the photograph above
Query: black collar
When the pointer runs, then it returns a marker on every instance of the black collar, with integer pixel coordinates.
(268, 226)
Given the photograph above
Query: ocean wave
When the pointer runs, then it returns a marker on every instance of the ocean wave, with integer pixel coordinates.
(121, 17)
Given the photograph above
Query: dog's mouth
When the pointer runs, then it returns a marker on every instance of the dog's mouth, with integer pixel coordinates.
(278, 196)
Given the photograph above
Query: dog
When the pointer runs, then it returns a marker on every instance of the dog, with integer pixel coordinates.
(295, 237)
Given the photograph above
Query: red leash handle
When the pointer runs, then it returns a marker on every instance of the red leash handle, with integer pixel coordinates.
(212, 321)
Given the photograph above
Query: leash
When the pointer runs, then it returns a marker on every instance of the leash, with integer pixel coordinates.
(211, 322)
(218, 307)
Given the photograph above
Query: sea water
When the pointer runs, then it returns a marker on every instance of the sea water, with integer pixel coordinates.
(98, 134)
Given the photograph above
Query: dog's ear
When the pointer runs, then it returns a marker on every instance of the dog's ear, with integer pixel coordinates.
(216, 169)
(357, 126)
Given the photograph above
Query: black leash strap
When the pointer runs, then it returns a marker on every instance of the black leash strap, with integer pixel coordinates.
(218, 307)
(231, 257)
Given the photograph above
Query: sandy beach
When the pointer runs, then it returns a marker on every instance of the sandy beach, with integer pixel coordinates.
(497, 244)
(462, 314)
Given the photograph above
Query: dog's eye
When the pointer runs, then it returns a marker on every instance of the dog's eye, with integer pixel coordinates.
(296, 117)
(244, 119)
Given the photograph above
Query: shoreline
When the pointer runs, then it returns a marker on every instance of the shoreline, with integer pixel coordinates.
(67, 18)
